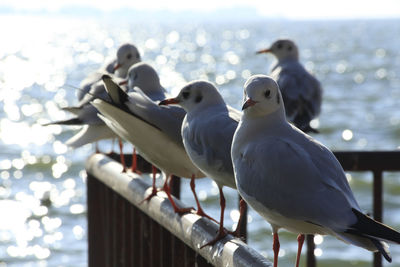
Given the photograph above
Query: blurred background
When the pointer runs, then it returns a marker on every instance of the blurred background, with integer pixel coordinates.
(47, 47)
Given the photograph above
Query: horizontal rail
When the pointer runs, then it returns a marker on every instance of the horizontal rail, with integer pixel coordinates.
(369, 160)
(192, 229)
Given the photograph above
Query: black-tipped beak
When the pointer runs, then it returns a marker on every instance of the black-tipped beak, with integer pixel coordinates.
(263, 51)
(169, 101)
(117, 66)
(249, 102)
(123, 82)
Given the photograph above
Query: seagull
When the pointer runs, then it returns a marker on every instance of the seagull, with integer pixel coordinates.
(127, 55)
(207, 132)
(292, 180)
(154, 130)
(301, 91)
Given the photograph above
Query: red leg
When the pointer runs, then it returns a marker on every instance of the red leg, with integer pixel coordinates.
(199, 211)
(121, 154)
(276, 247)
(134, 162)
(242, 211)
(221, 232)
(154, 188)
(300, 241)
(171, 200)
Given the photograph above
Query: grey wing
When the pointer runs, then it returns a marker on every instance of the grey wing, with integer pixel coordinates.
(301, 92)
(167, 118)
(282, 176)
(212, 138)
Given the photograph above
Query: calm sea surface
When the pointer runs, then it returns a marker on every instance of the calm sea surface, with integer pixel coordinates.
(42, 182)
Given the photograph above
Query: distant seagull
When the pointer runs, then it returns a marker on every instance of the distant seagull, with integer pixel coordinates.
(292, 180)
(301, 92)
(127, 55)
(207, 133)
(154, 130)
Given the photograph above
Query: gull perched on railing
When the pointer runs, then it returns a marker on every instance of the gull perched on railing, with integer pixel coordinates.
(207, 133)
(292, 180)
(301, 91)
(127, 55)
(154, 130)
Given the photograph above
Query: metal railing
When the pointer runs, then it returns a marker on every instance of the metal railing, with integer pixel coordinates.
(121, 234)
(122, 231)
(377, 162)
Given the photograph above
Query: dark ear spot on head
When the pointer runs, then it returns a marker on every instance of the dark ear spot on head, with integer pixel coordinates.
(185, 94)
(198, 98)
(290, 48)
(278, 99)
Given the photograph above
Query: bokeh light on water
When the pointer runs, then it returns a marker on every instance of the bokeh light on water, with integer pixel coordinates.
(42, 185)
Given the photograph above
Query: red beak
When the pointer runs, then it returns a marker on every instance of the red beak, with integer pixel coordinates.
(123, 82)
(249, 102)
(263, 51)
(169, 101)
(117, 66)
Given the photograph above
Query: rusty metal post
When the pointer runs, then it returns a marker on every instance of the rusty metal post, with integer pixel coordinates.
(377, 207)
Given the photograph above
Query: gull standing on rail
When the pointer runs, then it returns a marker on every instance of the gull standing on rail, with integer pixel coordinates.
(207, 132)
(154, 130)
(292, 180)
(301, 91)
(127, 55)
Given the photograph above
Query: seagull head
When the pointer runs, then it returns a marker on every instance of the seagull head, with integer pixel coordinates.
(127, 55)
(144, 76)
(282, 49)
(196, 95)
(261, 96)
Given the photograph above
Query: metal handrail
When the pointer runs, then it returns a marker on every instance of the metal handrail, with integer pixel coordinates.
(192, 229)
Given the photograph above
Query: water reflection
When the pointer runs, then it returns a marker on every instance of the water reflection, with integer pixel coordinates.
(41, 179)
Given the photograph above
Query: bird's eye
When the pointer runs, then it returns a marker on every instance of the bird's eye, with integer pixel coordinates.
(267, 93)
(279, 46)
(198, 98)
(185, 95)
(129, 56)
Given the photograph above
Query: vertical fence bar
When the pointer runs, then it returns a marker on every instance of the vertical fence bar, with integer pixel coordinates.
(243, 226)
(175, 185)
(311, 261)
(377, 207)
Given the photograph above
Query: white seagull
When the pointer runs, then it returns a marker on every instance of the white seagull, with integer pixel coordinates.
(294, 181)
(154, 130)
(207, 132)
(301, 91)
(127, 55)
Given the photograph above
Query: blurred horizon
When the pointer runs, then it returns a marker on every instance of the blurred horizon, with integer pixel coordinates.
(238, 9)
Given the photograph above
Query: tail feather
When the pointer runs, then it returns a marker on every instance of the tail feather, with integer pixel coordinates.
(383, 249)
(73, 121)
(368, 227)
(73, 110)
(117, 95)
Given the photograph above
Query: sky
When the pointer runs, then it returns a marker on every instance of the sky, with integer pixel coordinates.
(291, 9)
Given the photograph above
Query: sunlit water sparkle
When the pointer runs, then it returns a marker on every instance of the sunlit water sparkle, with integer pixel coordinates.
(42, 185)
